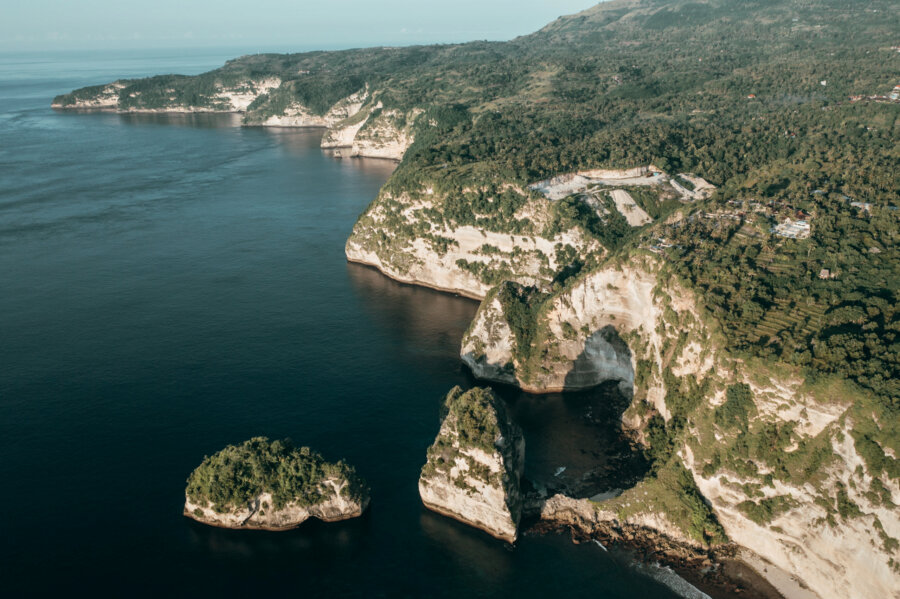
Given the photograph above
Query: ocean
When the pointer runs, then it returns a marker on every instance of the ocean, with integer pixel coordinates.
(170, 284)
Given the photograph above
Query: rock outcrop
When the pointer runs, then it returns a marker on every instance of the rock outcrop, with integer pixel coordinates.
(375, 132)
(100, 96)
(297, 114)
(592, 519)
(408, 238)
(575, 339)
(272, 486)
(475, 465)
(168, 96)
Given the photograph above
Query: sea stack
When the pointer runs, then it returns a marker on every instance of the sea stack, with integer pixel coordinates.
(475, 464)
(272, 485)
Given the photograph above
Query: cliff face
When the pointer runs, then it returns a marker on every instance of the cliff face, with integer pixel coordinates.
(359, 121)
(777, 458)
(165, 94)
(374, 132)
(102, 96)
(407, 238)
(579, 333)
(475, 465)
(297, 114)
(261, 513)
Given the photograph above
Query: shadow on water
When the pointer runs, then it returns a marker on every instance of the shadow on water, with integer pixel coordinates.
(419, 318)
(313, 541)
(470, 548)
(574, 442)
(197, 120)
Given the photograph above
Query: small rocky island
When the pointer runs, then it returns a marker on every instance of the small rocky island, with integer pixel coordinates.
(475, 464)
(272, 485)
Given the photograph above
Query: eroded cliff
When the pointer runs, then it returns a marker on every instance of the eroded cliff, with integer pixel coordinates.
(475, 464)
(420, 236)
(777, 457)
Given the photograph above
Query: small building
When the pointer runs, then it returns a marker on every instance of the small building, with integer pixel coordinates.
(798, 229)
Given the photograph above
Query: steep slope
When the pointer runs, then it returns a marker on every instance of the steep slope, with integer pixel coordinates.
(475, 464)
(778, 456)
(467, 240)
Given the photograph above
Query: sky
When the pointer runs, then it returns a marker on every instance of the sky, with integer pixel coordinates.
(267, 24)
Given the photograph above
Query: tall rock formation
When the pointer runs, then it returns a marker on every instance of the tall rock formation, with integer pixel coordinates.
(475, 464)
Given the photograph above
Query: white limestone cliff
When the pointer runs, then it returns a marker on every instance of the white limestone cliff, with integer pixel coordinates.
(298, 115)
(377, 132)
(261, 513)
(462, 259)
(583, 329)
(833, 529)
(473, 474)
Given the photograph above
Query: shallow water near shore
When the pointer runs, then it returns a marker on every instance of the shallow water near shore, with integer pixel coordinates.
(172, 284)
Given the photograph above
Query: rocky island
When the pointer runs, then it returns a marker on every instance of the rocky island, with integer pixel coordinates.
(475, 464)
(272, 485)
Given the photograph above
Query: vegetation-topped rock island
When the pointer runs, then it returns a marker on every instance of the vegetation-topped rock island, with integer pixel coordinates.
(272, 485)
(475, 465)
(696, 198)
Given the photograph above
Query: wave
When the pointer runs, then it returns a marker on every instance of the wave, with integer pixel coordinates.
(672, 580)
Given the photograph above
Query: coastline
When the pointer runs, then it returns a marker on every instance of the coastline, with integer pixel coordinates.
(187, 514)
(786, 584)
(413, 282)
(718, 572)
(438, 510)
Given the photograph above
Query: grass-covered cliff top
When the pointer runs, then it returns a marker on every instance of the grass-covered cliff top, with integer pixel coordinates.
(238, 474)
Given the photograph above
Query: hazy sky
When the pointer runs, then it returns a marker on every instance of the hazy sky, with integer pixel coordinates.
(301, 24)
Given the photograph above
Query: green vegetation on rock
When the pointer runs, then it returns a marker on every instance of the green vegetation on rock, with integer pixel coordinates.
(238, 474)
(476, 414)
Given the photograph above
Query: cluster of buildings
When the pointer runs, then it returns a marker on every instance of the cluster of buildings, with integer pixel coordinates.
(793, 229)
(893, 96)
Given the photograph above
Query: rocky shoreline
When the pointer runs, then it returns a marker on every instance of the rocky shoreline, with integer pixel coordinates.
(358, 123)
(719, 572)
(459, 292)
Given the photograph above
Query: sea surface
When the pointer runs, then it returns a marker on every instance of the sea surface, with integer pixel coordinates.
(173, 284)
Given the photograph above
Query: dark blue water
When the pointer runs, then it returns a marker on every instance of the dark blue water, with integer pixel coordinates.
(169, 285)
